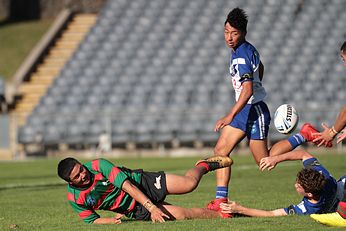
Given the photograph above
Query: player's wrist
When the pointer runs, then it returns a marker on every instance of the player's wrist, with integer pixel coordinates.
(333, 132)
(149, 205)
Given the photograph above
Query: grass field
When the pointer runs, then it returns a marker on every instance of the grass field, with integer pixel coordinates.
(16, 41)
(33, 198)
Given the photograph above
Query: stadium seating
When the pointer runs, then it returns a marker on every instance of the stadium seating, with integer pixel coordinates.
(151, 71)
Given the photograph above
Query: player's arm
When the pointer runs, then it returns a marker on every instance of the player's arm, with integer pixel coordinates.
(261, 70)
(119, 179)
(233, 207)
(89, 216)
(107, 220)
(329, 134)
(244, 96)
(139, 196)
(270, 162)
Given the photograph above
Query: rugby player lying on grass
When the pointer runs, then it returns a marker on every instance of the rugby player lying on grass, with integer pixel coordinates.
(100, 185)
(321, 192)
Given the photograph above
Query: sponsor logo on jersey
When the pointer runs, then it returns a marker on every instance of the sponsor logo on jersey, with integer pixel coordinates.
(157, 184)
(90, 201)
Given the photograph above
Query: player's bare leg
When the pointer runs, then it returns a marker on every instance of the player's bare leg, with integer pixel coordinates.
(180, 213)
(228, 139)
(259, 149)
(280, 147)
(184, 184)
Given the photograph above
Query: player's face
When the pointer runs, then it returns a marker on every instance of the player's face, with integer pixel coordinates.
(300, 190)
(233, 36)
(79, 175)
(343, 57)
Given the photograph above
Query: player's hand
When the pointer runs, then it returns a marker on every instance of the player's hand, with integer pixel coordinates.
(157, 215)
(341, 136)
(117, 221)
(230, 207)
(117, 218)
(323, 137)
(221, 123)
(268, 163)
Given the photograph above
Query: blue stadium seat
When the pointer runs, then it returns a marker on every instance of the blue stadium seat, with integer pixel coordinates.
(151, 57)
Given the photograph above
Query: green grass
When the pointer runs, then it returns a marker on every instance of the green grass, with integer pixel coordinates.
(16, 42)
(44, 207)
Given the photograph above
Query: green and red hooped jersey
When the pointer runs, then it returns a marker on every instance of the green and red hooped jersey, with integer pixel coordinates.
(105, 193)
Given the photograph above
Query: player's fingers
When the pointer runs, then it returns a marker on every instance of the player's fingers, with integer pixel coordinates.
(321, 143)
(223, 205)
(325, 126)
(317, 139)
(262, 167)
(263, 160)
(226, 211)
(341, 138)
(162, 220)
(270, 168)
(165, 215)
(217, 126)
(119, 215)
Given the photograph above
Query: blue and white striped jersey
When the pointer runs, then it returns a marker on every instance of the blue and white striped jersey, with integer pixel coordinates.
(244, 66)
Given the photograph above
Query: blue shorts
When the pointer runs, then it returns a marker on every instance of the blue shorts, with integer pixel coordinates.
(254, 120)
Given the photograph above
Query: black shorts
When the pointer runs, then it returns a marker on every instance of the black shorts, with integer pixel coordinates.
(153, 185)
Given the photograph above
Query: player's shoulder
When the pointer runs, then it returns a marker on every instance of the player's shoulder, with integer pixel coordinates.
(248, 49)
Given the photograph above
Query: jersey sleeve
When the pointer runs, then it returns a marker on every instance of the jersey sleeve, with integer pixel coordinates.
(249, 66)
(110, 171)
(87, 215)
(296, 209)
(313, 163)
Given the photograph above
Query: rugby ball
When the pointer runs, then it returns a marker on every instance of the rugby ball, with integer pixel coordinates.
(286, 119)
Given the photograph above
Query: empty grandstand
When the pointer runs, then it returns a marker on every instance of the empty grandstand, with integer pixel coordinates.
(155, 71)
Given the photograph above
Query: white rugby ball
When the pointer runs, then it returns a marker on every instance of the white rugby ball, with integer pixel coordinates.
(286, 119)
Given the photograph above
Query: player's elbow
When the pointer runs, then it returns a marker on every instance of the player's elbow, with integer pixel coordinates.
(305, 155)
(278, 213)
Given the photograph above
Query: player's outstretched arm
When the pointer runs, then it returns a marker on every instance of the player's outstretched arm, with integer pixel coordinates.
(156, 214)
(107, 220)
(271, 162)
(328, 134)
(233, 207)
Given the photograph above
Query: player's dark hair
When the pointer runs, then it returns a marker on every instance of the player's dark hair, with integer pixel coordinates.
(65, 167)
(343, 47)
(237, 18)
(311, 180)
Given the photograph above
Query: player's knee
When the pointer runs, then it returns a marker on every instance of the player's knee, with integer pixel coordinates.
(220, 151)
(191, 184)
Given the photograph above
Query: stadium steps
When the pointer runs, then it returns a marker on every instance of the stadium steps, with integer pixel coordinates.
(45, 74)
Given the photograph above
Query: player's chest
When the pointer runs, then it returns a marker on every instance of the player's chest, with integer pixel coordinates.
(100, 189)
